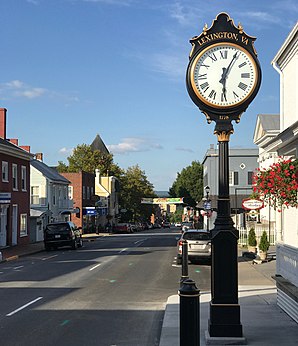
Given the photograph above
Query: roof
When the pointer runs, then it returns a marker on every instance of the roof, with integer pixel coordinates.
(267, 126)
(99, 145)
(36, 213)
(48, 172)
(289, 43)
(270, 121)
(12, 149)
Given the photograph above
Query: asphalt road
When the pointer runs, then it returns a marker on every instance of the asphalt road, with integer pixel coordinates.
(112, 292)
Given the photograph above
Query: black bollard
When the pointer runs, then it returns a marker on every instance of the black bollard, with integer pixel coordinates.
(189, 314)
(184, 274)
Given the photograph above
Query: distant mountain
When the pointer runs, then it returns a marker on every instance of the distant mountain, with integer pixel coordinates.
(162, 194)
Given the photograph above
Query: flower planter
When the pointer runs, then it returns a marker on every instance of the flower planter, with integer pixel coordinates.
(263, 255)
(252, 249)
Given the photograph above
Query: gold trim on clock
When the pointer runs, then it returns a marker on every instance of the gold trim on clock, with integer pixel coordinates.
(195, 88)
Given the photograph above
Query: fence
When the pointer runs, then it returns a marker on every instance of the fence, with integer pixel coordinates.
(259, 229)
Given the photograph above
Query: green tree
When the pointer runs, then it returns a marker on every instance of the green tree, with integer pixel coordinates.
(135, 186)
(189, 184)
(85, 159)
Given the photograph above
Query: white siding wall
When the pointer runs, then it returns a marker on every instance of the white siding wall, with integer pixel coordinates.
(290, 99)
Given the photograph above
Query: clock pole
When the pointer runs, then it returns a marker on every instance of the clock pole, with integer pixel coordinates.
(224, 318)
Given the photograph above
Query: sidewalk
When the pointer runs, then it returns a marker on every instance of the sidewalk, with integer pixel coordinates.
(263, 322)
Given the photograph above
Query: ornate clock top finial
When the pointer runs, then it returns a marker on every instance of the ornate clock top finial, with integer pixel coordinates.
(205, 29)
(240, 28)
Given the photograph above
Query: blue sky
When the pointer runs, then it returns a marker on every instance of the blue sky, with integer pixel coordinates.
(71, 69)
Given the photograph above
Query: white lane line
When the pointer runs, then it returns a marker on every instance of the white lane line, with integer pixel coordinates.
(46, 258)
(140, 241)
(18, 267)
(97, 265)
(123, 250)
(24, 306)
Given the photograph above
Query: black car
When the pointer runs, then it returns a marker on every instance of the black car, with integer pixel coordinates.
(60, 234)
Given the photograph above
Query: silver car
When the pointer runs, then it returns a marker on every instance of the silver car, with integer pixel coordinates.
(186, 226)
(199, 245)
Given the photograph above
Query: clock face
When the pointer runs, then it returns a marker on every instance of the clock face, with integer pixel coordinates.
(223, 75)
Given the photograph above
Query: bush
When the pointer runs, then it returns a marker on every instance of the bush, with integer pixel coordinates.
(264, 243)
(252, 240)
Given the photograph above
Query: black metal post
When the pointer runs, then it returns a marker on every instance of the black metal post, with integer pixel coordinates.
(224, 308)
(184, 274)
(189, 314)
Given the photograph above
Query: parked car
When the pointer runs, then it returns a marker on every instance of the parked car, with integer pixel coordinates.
(178, 224)
(60, 234)
(186, 225)
(123, 228)
(166, 224)
(198, 245)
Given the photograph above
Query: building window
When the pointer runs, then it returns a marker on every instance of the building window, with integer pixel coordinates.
(84, 192)
(54, 195)
(250, 177)
(23, 225)
(35, 195)
(5, 171)
(70, 192)
(233, 178)
(14, 176)
(24, 178)
(88, 192)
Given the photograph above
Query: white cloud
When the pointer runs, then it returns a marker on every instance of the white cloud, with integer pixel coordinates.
(18, 89)
(66, 151)
(185, 149)
(133, 144)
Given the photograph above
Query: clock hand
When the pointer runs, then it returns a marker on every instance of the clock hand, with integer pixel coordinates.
(230, 64)
(225, 71)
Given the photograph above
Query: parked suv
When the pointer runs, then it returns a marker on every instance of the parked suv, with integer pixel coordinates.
(198, 244)
(60, 234)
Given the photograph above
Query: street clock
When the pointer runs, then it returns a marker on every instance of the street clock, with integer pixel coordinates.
(223, 74)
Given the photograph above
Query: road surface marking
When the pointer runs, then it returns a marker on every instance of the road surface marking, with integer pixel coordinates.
(46, 258)
(123, 250)
(18, 267)
(24, 306)
(97, 265)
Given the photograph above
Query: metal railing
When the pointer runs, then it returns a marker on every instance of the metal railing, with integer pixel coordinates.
(259, 229)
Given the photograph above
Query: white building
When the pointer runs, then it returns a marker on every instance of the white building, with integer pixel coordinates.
(282, 140)
(49, 200)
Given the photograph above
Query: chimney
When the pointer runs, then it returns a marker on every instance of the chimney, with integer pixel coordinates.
(3, 123)
(14, 141)
(25, 147)
(39, 157)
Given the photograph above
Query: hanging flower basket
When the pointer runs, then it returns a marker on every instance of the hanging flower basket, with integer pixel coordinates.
(278, 185)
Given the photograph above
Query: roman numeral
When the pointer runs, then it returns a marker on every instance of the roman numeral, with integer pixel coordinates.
(245, 75)
(241, 65)
(223, 54)
(242, 86)
(204, 86)
(223, 97)
(202, 76)
(235, 95)
(212, 94)
(213, 57)
(207, 66)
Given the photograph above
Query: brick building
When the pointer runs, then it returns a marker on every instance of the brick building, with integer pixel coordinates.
(14, 189)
